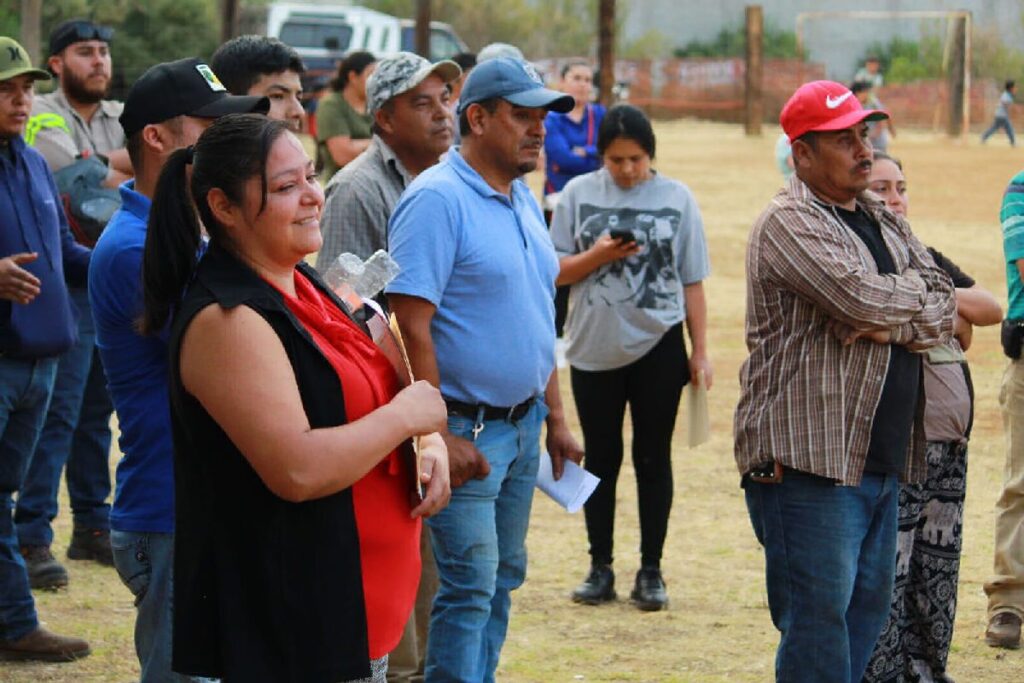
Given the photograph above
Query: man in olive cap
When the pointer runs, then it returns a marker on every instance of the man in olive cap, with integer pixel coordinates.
(36, 326)
(71, 122)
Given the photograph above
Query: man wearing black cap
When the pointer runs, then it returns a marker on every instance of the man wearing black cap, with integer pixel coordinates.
(166, 109)
(36, 326)
(474, 302)
(74, 120)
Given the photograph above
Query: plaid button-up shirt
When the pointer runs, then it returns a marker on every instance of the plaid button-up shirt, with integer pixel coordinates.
(360, 200)
(806, 400)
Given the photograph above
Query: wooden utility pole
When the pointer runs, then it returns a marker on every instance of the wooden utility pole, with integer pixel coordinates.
(228, 20)
(606, 50)
(31, 18)
(957, 68)
(754, 92)
(423, 28)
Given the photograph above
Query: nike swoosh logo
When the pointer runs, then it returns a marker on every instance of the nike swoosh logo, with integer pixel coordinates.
(833, 102)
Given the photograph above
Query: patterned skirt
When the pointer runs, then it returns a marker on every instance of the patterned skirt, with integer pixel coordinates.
(915, 642)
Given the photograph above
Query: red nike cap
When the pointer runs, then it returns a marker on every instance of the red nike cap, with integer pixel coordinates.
(824, 105)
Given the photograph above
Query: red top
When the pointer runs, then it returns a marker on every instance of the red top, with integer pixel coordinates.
(388, 538)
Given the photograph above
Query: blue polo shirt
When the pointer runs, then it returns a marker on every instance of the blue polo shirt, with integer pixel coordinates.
(486, 261)
(137, 372)
(1012, 217)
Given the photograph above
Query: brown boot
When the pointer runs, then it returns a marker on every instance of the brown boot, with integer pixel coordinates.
(1004, 631)
(42, 646)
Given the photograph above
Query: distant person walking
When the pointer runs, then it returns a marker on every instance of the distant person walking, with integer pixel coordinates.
(870, 73)
(1002, 117)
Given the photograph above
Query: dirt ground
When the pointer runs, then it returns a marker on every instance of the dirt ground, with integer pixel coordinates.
(717, 628)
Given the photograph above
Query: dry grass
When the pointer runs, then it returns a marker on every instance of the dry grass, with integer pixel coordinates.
(718, 628)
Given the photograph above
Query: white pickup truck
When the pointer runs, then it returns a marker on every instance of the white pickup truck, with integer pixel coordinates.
(324, 34)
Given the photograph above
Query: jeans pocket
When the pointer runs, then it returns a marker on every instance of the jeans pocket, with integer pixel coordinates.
(133, 563)
(459, 425)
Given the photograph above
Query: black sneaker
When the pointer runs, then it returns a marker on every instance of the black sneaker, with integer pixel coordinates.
(44, 571)
(649, 591)
(598, 587)
(91, 544)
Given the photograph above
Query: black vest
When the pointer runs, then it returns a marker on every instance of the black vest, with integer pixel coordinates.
(264, 589)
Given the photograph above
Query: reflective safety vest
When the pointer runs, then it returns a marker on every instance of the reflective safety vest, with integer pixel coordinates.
(42, 121)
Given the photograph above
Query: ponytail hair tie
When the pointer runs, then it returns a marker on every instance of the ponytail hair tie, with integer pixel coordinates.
(190, 154)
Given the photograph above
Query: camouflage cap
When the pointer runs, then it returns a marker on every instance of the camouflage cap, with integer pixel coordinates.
(14, 61)
(401, 73)
(497, 51)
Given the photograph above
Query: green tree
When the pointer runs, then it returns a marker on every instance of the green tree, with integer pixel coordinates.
(904, 61)
(554, 28)
(145, 33)
(777, 43)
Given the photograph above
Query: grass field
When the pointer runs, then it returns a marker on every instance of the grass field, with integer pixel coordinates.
(718, 628)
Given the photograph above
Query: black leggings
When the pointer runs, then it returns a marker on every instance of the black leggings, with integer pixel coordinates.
(651, 386)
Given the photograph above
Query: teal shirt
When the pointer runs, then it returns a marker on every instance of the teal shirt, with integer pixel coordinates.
(1012, 218)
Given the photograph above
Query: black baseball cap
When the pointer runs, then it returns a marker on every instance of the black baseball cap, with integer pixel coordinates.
(75, 31)
(187, 87)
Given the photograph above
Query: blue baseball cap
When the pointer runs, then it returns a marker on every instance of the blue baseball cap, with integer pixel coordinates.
(515, 81)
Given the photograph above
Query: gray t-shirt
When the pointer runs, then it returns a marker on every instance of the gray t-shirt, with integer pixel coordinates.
(621, 310)
(1005, 100)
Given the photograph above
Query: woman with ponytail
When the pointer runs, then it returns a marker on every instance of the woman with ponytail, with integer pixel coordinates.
(296, 544)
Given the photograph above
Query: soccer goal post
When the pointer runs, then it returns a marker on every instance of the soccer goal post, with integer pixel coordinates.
(956, 50)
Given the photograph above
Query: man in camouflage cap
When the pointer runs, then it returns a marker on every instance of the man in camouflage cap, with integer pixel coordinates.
(408, 98)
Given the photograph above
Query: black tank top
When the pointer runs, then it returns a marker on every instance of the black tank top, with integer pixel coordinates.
(264, 589)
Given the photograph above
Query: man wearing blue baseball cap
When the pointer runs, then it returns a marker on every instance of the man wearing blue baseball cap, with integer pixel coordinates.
(474, 303)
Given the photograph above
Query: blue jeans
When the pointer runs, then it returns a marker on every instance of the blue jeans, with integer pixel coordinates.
(145, 563)
(479, 543)
(997, 123)
(830, 559)
(76, 432)
(25, 389)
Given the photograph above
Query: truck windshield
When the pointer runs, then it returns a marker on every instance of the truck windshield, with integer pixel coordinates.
(307, 34)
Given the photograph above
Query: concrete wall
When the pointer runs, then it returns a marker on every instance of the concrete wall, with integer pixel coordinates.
(836, 44)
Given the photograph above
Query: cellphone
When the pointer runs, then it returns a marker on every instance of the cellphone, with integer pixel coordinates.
(624, 235)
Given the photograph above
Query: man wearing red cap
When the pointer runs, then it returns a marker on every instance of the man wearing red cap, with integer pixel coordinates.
(839, 296)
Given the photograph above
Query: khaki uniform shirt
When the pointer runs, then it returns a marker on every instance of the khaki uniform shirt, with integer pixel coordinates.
(806, 400)
(57, 131)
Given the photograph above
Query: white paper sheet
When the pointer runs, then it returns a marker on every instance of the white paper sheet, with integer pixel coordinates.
(698, 424)
(572, 490)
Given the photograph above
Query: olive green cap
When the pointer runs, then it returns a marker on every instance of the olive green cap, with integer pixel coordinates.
(14, 61)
